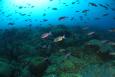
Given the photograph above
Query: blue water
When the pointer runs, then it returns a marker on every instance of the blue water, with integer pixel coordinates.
(24, 13)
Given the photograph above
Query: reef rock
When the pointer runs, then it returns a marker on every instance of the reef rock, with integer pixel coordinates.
(5, 69)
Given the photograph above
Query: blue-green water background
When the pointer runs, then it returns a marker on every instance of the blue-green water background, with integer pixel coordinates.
(31, 12)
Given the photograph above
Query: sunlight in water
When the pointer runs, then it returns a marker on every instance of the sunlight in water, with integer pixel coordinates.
(31, 2)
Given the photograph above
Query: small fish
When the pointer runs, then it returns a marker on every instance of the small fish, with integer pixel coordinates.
(62, 18)
(113, 18)
(112, 30)
(104, 41)
(22, 14)
(73, 2)
(60, 38)
(77, 11)
(46, 35)
(45, 20)
(81, 18)
(93, 4)
(44, 14)
(54, 8)
(112, 53)
(113, 9)
(97, 18)
(72, 18)
(111, 43)
(85, 11)
(90, 33)
(106, 14)
(20, 7)
(10, 23)
(50, 0)
(85, 28)
(104, 6)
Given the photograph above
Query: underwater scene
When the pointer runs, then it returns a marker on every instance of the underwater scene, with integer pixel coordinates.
(57, 38)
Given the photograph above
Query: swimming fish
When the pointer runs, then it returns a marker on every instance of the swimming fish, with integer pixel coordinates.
(93, 4)
(112, 30)
(85, 11)
(97, 18)
(45, 35)
(62, 18)
(113, 9)
(45, 20)
(10, 23)
(90, 33)
(112, 53)
(106, 14)
(54, 8)
(104, 6)
(60, 38)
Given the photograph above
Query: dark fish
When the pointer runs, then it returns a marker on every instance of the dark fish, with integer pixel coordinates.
(20, 7)
(97, 18)
(112, 30)
(77, 11)
(113, 18)
(72, 18)
(9, 15)
(73, 2)
(10, 23)
(81, 18)
(113, 9)
(54, 8)
(50, 0)
(32, 6)
(85, 11)
(44, 14)
(103, 6)
(106, 14)
(66, 5)
(45, 20)
(22, 14)
(93, 4)
(62, 18)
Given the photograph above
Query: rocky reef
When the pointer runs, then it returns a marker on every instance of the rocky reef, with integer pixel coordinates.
(80, 53)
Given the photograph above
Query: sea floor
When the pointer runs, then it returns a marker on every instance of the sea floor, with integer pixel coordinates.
(57, 51)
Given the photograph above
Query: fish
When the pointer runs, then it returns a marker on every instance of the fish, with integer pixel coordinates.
(45, 20)
(54, 8)
(72, 18)
(85, 28)
(113, 18)
(104, 6)
(97, 18)
(85, 11)
(112, 53)
(11, 23)
(104, 41)
(22, 14)
(62, 18)
(113, 9)
(50, 0)
(112, 30)
(44, 14)
(81, 18)
(46, 35)
(59, 38)
(106, 14)
(93, 4)
(90, 33)
(20, 7)
(73, 2)
(77, 11)
(111, 43)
